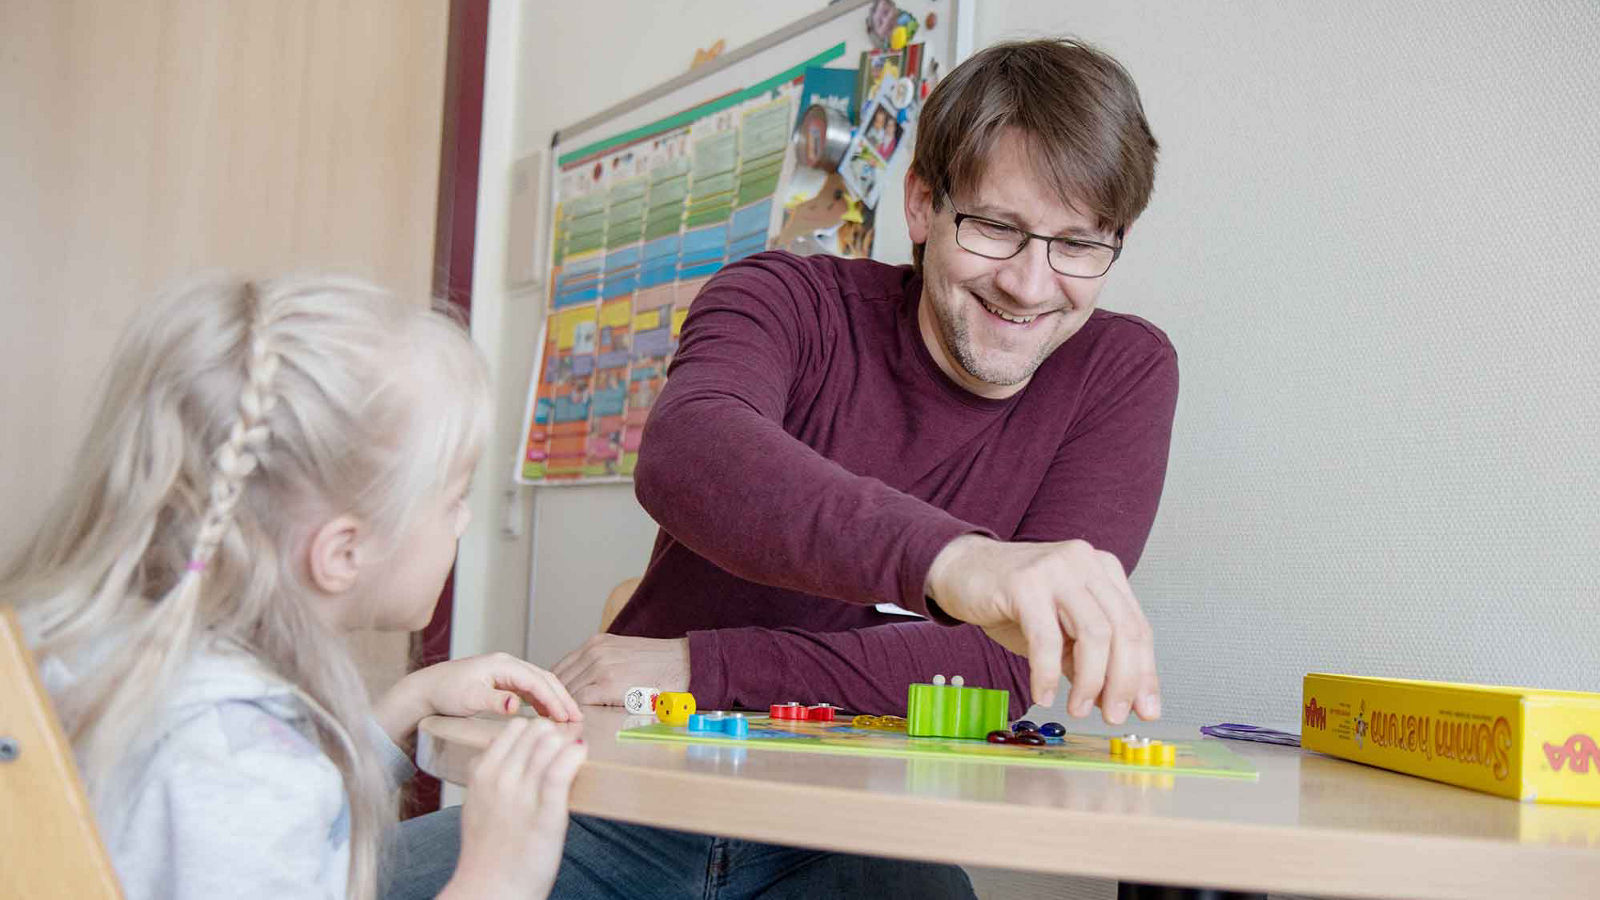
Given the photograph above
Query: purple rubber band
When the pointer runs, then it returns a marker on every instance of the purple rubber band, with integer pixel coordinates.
(1235, 731)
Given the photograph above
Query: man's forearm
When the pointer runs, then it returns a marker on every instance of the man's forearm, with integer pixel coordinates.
(864, 670)
(739, 491)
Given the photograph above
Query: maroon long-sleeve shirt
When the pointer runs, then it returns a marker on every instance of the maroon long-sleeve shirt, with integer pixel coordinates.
(807, 460)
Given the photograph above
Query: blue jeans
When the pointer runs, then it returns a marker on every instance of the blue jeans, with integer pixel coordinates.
(607, 859)
(421, 857)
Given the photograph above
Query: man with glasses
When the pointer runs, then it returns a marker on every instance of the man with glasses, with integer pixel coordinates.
(867, 475)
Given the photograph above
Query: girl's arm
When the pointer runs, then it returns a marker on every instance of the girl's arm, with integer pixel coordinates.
(492, 682)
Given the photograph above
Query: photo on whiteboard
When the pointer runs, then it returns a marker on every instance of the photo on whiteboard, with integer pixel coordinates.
(824, 219)
(881, 20)
(864, 172)
(883, 130)
(866, 160)
(878, 67)
(829, 87)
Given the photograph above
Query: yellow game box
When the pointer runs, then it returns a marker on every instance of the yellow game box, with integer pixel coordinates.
(1531, 745)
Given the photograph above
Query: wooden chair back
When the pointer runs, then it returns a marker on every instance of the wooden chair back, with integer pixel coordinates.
(50, 846)
(617, 599)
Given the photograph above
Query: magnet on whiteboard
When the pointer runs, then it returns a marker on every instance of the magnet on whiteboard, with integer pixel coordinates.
(901, 93)
(822, 138)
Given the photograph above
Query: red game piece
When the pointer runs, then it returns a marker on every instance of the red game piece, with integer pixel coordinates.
(795, 711)
(791, 710)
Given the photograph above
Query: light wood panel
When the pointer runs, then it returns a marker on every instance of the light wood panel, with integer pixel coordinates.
(144, 140)
(55, 850)
(1310, 825)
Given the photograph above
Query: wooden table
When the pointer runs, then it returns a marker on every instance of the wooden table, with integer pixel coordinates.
(1310, 825)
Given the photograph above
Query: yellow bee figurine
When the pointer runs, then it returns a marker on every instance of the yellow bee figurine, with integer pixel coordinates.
(674, 707)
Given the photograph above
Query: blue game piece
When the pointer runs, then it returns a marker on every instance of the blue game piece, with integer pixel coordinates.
(1024, 725)
(733, 725)
(1052, 729)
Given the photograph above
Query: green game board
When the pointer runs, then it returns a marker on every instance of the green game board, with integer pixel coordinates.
(1080, 751)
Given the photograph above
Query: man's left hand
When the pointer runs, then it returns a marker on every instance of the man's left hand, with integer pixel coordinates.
(603, 669)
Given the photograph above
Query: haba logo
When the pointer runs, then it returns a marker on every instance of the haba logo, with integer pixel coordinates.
(1316, 716)
(1575, 754)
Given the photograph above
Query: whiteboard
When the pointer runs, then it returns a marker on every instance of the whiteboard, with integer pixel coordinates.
(649, 197)
(949, 42)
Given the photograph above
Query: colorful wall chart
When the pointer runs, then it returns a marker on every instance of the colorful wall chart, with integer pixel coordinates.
(641, 221)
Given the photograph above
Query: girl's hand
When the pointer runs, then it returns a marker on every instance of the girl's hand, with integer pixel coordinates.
(492, 682)
(514, 818)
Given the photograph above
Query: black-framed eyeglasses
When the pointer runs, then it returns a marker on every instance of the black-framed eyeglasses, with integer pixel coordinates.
(1069, 256)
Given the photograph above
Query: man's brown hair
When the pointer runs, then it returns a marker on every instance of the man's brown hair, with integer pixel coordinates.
(1078, 110)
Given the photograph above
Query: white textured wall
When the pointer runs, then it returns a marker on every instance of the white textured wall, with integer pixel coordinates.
(1372, 241)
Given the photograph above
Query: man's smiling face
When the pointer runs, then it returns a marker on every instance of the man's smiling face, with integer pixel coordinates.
(990, 323)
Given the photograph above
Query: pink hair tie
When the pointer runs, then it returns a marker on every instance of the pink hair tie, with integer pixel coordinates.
(196, 565)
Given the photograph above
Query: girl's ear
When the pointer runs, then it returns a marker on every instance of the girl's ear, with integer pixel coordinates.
(333, 560)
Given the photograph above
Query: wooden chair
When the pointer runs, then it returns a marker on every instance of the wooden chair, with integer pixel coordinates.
(617, 599)
(49, 844)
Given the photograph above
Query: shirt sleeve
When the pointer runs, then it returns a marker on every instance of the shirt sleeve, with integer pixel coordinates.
(864, 670)
(718, 471)
(251, 809)
(395, 762)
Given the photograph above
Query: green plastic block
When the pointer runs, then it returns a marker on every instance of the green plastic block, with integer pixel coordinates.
(944, 710)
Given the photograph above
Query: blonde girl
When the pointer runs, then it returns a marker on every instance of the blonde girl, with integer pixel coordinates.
(273, 464)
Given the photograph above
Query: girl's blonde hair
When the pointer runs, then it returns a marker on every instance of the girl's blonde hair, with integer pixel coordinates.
(236, 414)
